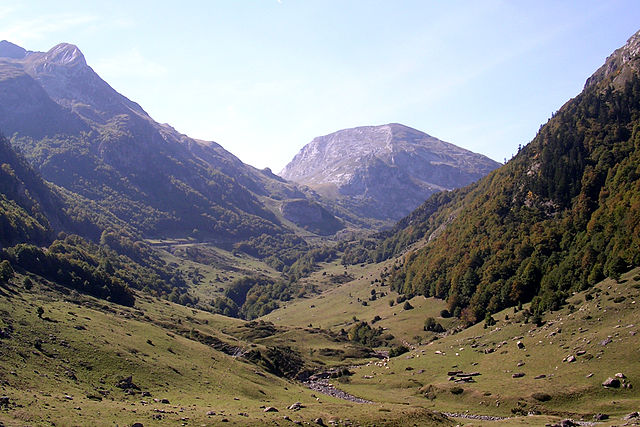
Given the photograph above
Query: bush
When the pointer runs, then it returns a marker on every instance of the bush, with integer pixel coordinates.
(445, 314)
(542, 397)
(407, 306)
(397, 351)
(6, 271)
(432, 326)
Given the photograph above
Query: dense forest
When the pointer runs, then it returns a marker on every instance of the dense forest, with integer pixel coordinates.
(560, 216)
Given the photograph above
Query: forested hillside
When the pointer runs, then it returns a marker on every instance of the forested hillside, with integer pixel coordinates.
(560, 216)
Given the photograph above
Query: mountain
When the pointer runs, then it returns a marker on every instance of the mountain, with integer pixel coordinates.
(84, 136)
(559, 217)
(384, 172)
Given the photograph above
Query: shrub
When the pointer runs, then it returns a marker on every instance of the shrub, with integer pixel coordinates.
(432, 326)
(397, 351)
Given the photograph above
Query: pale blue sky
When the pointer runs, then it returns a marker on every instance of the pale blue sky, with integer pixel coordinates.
(263, 77)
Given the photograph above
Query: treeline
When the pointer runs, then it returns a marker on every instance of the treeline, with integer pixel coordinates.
(559, 217)
(98, 270)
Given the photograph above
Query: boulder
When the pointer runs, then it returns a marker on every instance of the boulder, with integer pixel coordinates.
(620, 375)
(270, 409)
(518, 375)
(520, 345)
(611, 383)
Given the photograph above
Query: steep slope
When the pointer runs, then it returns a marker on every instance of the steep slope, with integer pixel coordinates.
(384, 172)
(84, 136)
(561, 215)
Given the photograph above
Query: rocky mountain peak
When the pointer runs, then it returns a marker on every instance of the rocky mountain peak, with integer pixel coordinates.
(65, 54)
(620, 65)
(10, 50)
(370, 163)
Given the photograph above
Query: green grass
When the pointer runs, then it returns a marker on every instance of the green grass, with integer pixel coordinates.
(54, 368)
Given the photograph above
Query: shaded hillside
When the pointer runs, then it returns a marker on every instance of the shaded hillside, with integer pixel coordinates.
(383, 172)
(84, 136)
(560, 216)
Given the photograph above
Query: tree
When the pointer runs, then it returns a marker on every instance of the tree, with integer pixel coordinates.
(6, 271)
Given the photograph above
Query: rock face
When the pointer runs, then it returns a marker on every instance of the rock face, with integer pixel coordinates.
(384, 171)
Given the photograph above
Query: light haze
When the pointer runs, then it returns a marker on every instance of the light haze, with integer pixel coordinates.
(264, 77)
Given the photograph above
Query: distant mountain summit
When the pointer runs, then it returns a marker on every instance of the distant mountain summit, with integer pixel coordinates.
(384, 172)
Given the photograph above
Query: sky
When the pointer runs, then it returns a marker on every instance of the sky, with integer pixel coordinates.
(264, 77)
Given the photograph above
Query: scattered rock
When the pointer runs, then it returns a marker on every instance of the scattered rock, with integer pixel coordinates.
(539, 377)
(569, 359)
(518, 375)
(210, 413)
(590, 375)
(520, 364)
(270, 409)
(165, 401)
(600, 417)
(580, 353)
(319, 421)
(605, 341)
(632, 416)
(620, 375)
(520, 345)
(611, 383)
(137, 425)
(296, 406)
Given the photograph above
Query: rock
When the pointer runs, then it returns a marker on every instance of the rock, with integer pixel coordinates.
(165, 401)
(296, 406)
(127, 384)
(539, 377)
(569, 359)
(137, 425)
(632, 416)
(146, 394)
(520, 364)
(580, 353)
(210, 413)
(620, 375)
(590, 375)
(600, 417)
(518, 375)
(611, 383)
(286, 417)
(568, 423)
(270, 409)
(319, 421)
(4, 401)
(605, 341)
(520, 345)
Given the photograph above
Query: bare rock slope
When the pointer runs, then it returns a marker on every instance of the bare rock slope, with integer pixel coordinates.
(384, 172)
